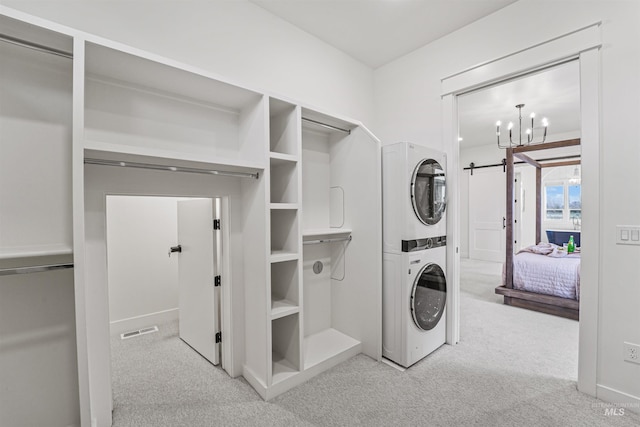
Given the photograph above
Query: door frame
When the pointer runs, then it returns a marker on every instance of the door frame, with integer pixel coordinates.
(584, 45)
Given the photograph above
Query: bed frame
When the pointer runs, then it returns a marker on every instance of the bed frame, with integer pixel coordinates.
(550, 304)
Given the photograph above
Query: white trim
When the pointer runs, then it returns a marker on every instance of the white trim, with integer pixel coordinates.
(557, 49)
(611, 395)
(592, 220)
(584, 44)
(449, 132)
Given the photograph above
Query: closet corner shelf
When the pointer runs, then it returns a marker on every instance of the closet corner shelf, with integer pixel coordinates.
(283, 307)
(319, 232)
(281, 158)
(283, 206)
(282, 369)
(281, 256)
(327, 344)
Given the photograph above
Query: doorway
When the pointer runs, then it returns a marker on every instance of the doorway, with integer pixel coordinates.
(164, 265)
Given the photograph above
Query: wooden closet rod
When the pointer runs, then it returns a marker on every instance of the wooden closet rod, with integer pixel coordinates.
(35, 46)
(347, 131)
(150, 166)
(34, 269)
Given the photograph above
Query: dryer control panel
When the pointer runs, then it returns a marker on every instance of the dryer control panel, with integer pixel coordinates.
(423, 244)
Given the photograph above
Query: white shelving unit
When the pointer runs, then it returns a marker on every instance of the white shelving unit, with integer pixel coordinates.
(114, 103)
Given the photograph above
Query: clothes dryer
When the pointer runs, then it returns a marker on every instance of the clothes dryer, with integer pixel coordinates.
(413, 194)
(414, 292)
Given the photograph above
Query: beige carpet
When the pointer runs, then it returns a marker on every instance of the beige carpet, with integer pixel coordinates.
(513, 367)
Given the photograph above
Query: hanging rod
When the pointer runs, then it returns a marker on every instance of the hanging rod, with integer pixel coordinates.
(34, 269)
(347, 131)
(136, 165)
(35, 46)
(339, 239)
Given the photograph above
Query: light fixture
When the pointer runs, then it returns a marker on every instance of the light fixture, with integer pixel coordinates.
(575, 179)
(528, 131)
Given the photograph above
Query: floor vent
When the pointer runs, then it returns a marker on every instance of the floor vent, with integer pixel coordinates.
(139, 332)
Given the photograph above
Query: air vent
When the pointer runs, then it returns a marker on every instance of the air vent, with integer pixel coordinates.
(139, 332)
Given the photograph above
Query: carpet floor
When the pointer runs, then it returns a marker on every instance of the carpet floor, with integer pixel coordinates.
(512, 367)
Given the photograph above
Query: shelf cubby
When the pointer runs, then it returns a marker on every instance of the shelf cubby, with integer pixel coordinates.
(285, 348)
(284, 231)
(284, 181)
(284, 288)
(284, 127)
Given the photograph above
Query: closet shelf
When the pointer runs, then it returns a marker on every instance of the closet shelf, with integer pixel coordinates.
(121, 152)
(327, 344)
(281, 256)
(319, 232)
(35, 251)
(283, 206)
(281, 158)
(283, 307)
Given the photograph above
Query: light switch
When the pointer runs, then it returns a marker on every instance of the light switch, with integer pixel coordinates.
(628, 235)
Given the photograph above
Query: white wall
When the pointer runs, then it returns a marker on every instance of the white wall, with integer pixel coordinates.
(235, 39)
(408, 107)
(143, 279)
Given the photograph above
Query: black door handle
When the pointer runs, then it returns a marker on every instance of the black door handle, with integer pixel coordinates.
(504, 223)
(174, 249)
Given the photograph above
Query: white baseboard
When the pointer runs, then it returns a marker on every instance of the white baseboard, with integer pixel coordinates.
(618, 398)
(134, 323)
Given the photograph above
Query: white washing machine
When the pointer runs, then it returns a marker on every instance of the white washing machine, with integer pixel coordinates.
(415, 295)
(414, 194)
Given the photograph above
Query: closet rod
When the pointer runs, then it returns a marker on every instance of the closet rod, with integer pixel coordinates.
(35, 46)
(347, 131)
(313, 242)
(34, 269)
(136, 165)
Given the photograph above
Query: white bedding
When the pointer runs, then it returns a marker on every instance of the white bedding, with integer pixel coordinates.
(549, 275)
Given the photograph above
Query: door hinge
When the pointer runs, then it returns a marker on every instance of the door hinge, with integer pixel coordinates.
(216, 224)
(217, 281)
(218, 337)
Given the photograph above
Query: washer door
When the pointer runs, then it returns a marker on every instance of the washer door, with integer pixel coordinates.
(428, 191)
(428, 297)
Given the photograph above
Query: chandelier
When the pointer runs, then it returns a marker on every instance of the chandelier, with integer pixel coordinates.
(528, 132)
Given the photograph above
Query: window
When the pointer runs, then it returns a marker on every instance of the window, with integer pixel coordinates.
(554, 196)
(563, 201)
(575, 202)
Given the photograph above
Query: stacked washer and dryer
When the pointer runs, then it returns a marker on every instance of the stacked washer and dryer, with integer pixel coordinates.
(414, 260)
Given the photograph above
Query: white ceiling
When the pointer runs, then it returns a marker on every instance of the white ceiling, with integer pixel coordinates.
(376, 32)
(553, 93)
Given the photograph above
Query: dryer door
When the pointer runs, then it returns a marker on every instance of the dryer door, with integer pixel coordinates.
(428, 191)
(428, 297)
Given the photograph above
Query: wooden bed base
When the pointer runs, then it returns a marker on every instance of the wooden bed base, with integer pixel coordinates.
(549, 304)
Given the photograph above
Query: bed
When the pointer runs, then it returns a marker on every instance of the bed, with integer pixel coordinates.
(541, 277)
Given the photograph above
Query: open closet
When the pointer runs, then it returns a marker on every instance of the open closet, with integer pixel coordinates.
(301, 281)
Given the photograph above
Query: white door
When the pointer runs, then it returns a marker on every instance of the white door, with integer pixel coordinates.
(197, 268)
(487, 214)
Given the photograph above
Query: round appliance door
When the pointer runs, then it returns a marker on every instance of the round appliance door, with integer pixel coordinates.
(428, 297)
(428, 191)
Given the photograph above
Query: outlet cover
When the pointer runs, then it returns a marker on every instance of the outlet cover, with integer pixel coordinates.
(632, 352)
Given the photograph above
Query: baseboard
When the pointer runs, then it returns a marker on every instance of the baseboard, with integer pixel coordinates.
(133, 323)
(252, 379)
(618, 398)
